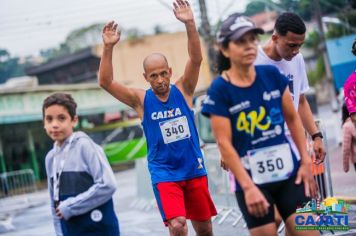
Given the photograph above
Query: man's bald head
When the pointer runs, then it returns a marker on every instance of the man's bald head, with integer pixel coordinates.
(154, 59)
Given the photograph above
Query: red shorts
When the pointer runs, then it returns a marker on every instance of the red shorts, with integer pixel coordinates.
(188, 198)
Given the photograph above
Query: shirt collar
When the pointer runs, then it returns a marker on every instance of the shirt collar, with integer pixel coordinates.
(69, 139)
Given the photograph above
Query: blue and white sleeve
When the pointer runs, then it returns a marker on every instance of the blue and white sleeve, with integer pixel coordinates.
(216, 102)
(100, 192)
(56, 220)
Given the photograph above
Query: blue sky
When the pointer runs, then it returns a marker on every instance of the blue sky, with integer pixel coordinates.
(28, 26)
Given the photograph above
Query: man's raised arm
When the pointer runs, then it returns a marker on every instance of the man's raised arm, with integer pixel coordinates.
(188, 82)
(129, 96)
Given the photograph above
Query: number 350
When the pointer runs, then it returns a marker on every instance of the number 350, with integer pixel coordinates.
(270, 165)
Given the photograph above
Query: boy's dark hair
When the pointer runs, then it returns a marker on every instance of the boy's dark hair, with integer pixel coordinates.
(353, 50)
(62, 99)
(289, 21)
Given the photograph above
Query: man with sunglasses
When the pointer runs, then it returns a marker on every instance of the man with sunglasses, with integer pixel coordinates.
(175, 161)
(282, 51)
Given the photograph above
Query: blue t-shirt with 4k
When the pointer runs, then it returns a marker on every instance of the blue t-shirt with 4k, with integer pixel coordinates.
(172, 139)
(255, 112)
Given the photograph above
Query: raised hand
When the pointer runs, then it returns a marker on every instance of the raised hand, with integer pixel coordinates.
(182, 11)
(111, 34)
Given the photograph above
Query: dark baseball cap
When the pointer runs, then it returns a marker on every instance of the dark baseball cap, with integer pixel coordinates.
(235, 26)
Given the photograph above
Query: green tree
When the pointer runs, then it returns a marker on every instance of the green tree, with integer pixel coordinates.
(158, 30)
(9, 67)
(345, 27)
(76, 40)
(304, 8)
(132, 34)
(50, 53)
(84, 37)
(316, 75)
(4, 55)
(312, 41)
(255, 7)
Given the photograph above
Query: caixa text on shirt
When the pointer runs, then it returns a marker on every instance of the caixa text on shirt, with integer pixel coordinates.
(166, 114)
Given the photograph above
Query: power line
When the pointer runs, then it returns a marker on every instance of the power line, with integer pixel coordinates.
(94, 12)
(164, 4)
(52, 24)
(64, 22)
(63, 25)
(50, 30)
(82, 8)
(58, 23)
(72, 11)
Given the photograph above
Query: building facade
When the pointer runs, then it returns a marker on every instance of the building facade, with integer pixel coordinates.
(23, 142)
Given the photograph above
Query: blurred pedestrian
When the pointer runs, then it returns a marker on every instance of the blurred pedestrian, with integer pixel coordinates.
(344, 114)
(248, 106)
(4, 183)
(349, 140)
(349, 118)
(282, 51)
(350, 90)
(80, 180)
(175, 161)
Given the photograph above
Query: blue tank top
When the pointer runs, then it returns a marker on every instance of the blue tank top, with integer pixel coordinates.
(172, 139)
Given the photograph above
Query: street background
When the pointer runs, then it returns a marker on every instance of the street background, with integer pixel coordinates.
(30, 215)
(51, 46)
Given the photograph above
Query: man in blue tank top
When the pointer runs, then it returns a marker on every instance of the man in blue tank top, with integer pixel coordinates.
(175, 161)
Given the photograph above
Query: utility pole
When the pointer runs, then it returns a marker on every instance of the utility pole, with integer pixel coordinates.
(322, 47)
(205, 30)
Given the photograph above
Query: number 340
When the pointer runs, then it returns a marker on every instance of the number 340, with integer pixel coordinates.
(174, 130)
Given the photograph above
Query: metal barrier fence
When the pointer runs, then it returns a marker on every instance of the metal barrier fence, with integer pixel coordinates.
(219, 187)
(219, 182)
(321, 171)
(17, 182)
(145, 198)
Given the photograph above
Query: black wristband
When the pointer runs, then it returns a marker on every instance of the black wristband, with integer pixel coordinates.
(316, 135)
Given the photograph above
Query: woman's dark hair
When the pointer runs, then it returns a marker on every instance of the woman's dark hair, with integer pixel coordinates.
(289, 21)
(61, 99)
(353, 50)
(222, 63)
(344, 113)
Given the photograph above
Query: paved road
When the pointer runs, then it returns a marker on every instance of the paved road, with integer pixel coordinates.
(30, 215)
(34, 219)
